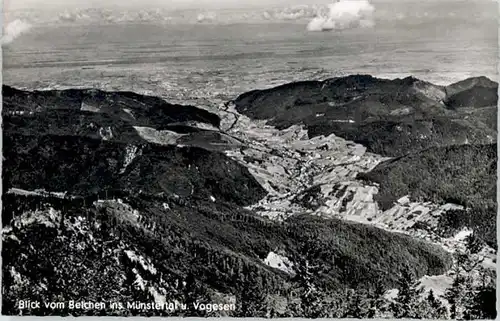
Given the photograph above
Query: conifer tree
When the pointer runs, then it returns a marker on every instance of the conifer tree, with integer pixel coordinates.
(253, 298)
(481, 303)
(193, 292)
(473, 243)
(436, 310)
(377, 303)
(310, 297)
(456, 295)
(358, 306)
(407, 302)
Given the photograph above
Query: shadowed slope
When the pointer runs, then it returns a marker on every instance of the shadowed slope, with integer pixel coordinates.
(408, 113)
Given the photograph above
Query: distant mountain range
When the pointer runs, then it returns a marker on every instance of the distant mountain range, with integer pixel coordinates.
(115, 196)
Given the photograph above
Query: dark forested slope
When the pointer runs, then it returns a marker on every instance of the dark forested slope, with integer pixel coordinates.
(115, 116)
(83, 166)
(86, 253)
(142, 110)
(465, 175)
(390, 117)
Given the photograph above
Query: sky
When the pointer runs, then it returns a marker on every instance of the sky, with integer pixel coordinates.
(181, 4)
(32, 4)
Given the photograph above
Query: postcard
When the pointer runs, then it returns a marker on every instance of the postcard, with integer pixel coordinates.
(250, 158)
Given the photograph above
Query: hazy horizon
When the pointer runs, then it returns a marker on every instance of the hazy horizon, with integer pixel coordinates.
(438, 41)
(193, 4)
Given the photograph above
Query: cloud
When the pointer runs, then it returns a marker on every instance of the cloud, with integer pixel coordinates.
(72, 17)
(290, 13)
(14, 29)
(344, 14)
(206, 17)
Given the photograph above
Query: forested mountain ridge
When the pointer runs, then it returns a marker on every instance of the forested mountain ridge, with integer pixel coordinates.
(169, 207)
(389, 117)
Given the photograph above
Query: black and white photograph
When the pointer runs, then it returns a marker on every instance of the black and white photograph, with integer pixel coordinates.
(250, 158)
